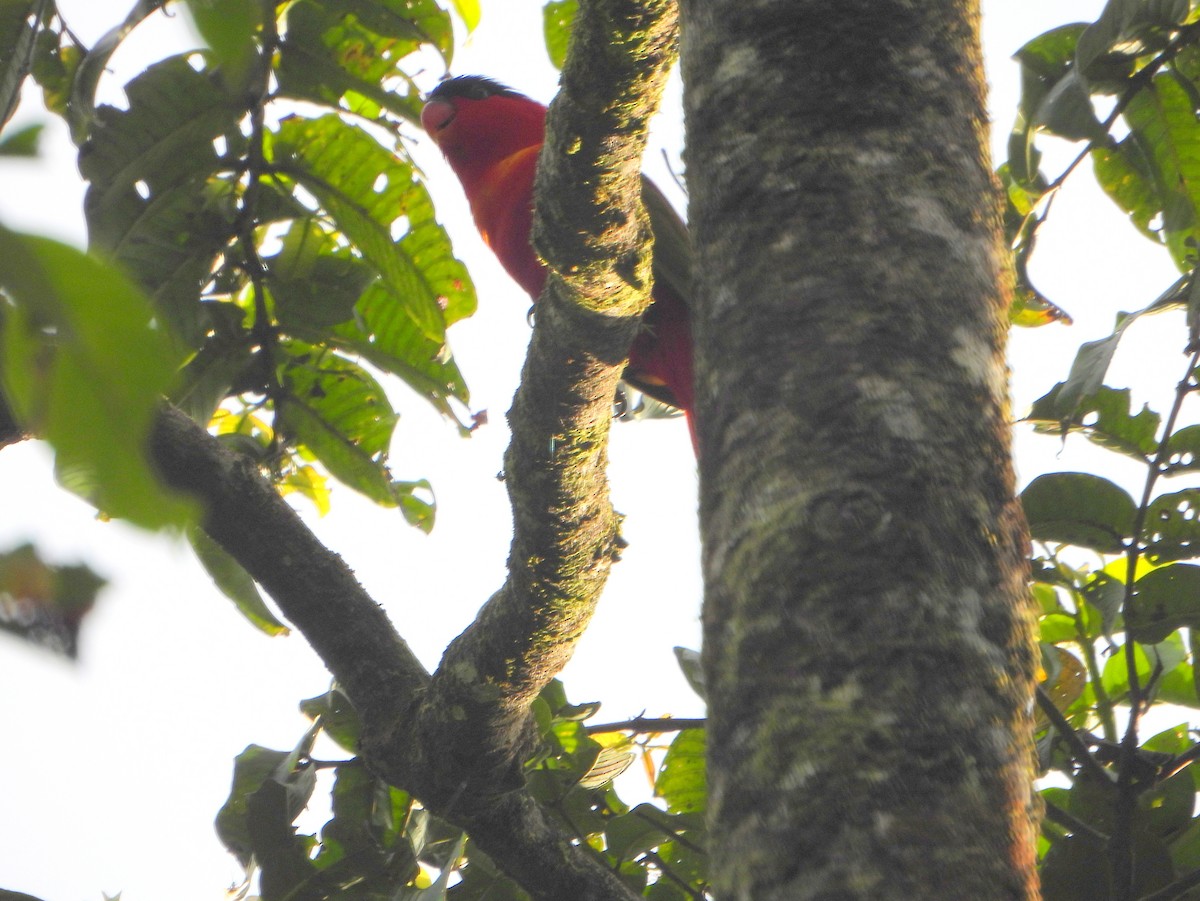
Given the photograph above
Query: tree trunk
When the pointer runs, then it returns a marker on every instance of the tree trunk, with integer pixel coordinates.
(868, 640)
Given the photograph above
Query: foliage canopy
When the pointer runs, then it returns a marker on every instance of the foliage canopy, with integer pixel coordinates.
(263, 252)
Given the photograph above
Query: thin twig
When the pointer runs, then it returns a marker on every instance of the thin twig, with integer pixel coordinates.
(647, 725)
(1082, 752)
(1073, 823)
(256, 169)
(1176, 889)
(662, 867)
(666, 830)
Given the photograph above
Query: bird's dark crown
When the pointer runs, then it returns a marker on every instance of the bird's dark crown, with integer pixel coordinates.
(470, 87)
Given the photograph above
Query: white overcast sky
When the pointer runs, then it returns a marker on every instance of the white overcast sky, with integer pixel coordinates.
(113, 769)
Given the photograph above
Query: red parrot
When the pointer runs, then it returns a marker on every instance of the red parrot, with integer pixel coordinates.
(491, 136)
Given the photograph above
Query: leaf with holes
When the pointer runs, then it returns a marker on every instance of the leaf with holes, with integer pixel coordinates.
(1081, 509)
(1164, 600)
(337, 59)
(1183, 451)
(1172, 531)
(158, 201)
(373, 199)
(1102, 416)
(229, 28)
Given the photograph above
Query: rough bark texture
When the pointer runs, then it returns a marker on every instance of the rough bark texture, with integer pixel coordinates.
(868, 645)
(319, 594)
(474, 720)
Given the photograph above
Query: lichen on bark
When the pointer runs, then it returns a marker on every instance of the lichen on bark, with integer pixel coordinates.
(868, 644)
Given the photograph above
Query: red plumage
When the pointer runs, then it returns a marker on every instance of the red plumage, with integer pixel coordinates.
(491, 136)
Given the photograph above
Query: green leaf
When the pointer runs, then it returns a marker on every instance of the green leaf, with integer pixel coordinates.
(1044, 61)
(282, 855)
(688, 861)
(1066, 111)
(665, 890)
(229, 28)
(1086, 377)
(1103, 417)
(206, 380)
(250, 769)
(82, 107)
(1172, 531)
(1056, 627)
(1080, 509)
(1126, 24)
(155, 203)
(385, 336)
(438, 890)
(468, 11)
(340, 59)
(1164, 600)
(1162, 120)
(314, 285)
(339, 719)
(1127, 174)
(1178, 686)
(86, 368)
(1105, 594)
(638, 831)
(1183, 451)
(369, 194)
(558, 19)
(339, 412)
(350, 840)
(1166, 809)
(1076, 869)
(681, 779)
(689, 663)
(1152, 660)
(234, 582)
(1050, 54)
(1185, 849)
(19, 24)
(483, 881)
(23, 142)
